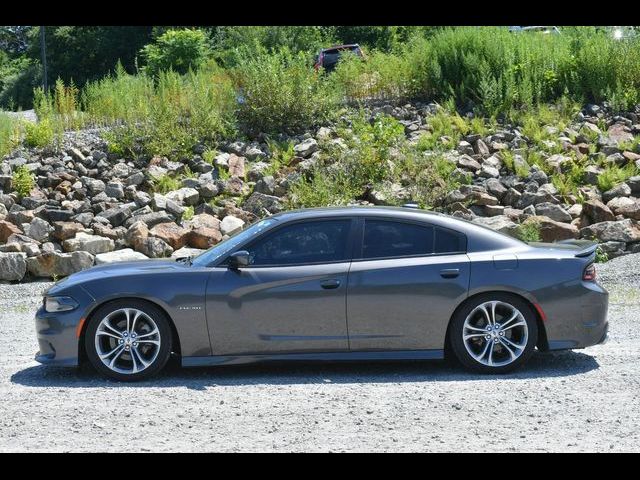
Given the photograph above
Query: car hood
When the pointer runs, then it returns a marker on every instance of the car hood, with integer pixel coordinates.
(113, 270)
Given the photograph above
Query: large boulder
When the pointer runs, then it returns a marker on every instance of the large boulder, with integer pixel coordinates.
(170, 232)
(306, 148)
(231, 225)
(184, 196)
(7, 229)
(93, 244)
(500, 223)
(56, 264)
(204, 237)
(65, 230)
(550, 230)
(594, 211)
(39, 230)
(618, 231)
(124, 255)
(259, 203)
(553, 211)
(236, 166)
(13, 266)
(154, 247)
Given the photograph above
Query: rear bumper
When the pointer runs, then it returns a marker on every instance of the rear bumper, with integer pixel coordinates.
(581, 322)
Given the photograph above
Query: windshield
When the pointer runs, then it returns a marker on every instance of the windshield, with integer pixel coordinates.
(216, 252)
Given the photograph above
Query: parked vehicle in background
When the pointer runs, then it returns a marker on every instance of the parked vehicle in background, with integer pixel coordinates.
(623, 33)
(536, 29)
(328, 58)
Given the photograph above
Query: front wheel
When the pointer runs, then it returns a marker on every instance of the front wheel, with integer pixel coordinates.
(494, 333)
(128, 340)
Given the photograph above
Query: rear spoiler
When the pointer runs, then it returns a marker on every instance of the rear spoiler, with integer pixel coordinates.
(585, 247)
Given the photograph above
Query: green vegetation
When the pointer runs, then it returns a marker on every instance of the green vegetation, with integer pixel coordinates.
(614, 175)
(38, 134)
(188, 213)
(529, 231)
(178, 50)
(281, 93)
(22, 181)
(378, 156)
(165, 184)
(601, 255)
(9, 133)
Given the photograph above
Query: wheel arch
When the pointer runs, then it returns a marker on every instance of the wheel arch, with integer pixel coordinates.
(542, 343)
(82, 354)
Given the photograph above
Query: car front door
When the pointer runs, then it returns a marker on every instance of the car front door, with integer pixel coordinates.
(291, 298)
(404, 284)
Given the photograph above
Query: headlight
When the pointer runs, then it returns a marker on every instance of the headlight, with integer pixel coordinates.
(59, 304)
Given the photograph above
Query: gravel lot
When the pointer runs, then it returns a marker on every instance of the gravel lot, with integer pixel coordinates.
(569, 401)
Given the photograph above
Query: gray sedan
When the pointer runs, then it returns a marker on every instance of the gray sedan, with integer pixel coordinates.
(351, 283)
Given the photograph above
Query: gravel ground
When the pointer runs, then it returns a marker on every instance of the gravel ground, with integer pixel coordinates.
(585, 400)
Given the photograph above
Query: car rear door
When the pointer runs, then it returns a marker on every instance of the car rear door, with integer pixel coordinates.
(405, 281)
(292, 296)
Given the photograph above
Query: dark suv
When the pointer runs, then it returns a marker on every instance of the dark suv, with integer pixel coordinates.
(328, 57)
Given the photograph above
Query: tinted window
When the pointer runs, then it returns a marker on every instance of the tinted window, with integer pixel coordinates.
(448, 241)
(308, 242)
(395, 239)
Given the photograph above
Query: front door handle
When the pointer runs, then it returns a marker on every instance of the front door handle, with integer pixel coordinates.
(329, 284)
(450, 272)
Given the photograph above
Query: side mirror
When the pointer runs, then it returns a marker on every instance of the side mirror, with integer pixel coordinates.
(238, 259)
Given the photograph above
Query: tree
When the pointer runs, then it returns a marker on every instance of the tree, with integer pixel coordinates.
(178, 50)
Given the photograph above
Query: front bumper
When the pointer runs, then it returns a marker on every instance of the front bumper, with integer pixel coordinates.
(56, 333)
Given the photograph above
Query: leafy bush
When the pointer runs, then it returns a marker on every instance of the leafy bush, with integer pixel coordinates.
(529, 231)
(39, 134)
(22, 181)
(613, 175)
(178, 50)
(281, 93)
(188, 213)
(165, 184)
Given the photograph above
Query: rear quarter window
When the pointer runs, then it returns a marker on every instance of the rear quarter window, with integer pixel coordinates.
(449, 241)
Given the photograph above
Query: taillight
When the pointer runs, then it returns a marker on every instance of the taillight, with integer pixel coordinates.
(589, 274)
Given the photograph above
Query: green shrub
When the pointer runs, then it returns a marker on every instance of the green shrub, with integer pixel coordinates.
(280, 93)
(39, 134)
(178, 50)
(188, 213)
(529, 231)
(613, 175)
(22, 181)
(601, 255)
(165, 184)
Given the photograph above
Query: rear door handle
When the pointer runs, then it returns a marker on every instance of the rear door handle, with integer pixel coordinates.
(329, 284)
(450, 272)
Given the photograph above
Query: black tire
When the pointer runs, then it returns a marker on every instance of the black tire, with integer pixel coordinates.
(164, 337)
(457, 343)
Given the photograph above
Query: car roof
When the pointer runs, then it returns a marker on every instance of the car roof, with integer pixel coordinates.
(480, 238)
(338, 47)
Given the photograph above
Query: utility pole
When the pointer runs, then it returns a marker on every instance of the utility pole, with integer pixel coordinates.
(43, 52)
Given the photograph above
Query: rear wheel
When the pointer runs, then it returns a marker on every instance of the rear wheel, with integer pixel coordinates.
(128, 340)
(494, 333)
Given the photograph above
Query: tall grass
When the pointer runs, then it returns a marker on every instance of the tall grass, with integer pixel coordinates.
(9, 133)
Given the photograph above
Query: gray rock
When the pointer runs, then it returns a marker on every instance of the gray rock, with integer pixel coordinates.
(468, 163)
(13, 266)
(621, 190)
(258, 203)
(306, 148)
(618, 231)
(500, 223)
(231, 225)
(114, 190)
(124, 255)
(266, 185)
(186, 196)
(39, 230)
(553, 211)
(93, 244)
(154, 247)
